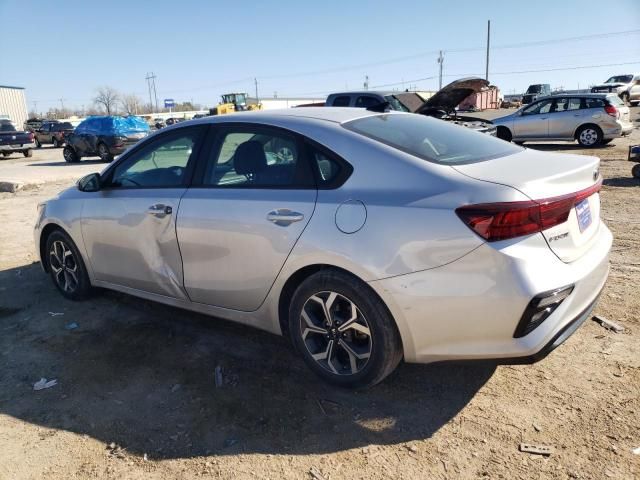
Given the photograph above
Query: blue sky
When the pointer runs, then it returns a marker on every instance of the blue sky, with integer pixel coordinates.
(200, 49)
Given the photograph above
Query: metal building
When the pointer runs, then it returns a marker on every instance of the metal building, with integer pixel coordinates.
(13, 105)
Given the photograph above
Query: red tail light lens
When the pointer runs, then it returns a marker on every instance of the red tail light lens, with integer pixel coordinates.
(31, 137)
(611, 110)
(501, 221)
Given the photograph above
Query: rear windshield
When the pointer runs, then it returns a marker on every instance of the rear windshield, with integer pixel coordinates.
(7, 127)
(431, 139)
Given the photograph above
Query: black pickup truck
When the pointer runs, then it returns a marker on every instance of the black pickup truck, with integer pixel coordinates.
(13, 141)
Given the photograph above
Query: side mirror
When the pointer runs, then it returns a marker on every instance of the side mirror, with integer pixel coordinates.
(89, 183)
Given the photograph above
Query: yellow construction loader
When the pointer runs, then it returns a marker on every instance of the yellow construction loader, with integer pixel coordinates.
(233, 102)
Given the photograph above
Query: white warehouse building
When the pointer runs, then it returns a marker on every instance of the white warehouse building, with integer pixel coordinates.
(13, 105)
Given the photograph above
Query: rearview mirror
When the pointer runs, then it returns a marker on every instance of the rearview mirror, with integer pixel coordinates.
(89, 183)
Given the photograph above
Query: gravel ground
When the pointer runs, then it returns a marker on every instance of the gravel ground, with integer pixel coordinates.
(136, 396)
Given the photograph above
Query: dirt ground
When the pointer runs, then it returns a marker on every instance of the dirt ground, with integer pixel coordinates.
(136, 394)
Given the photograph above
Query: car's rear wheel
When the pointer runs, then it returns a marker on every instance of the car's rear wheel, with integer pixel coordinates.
(66, 267)
(70, 155)
(635, 171)
(104, 154)
(56, 144)
(503, 133)
(589, 136)
(343, 330)
(28, 153)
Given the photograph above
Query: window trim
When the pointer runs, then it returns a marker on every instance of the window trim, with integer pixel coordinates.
(340, 179)
(216, 137)
(162, 136)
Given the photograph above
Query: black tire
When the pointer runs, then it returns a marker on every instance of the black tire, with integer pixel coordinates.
(104, 154)
(635, 171)
(589, 136)
(374, 355)
(56, 144)
(70, 155)
(6, 154)
(38, 144)
(503, 133)
(28, 153)
(67, 270)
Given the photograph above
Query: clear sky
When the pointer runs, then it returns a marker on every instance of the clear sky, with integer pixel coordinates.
(200, 49)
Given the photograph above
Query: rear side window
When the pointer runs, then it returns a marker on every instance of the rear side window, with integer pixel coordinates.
(593, 103)
(615, 100)
(341, 101)
(256, 158)
(431, 139)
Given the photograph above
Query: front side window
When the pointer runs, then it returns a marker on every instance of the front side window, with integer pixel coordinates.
(255, 157)
(538, 108)
(161, 163)
(431, 139)
(574, 104)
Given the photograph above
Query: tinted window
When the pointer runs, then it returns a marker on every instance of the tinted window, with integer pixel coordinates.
(6, 127)
(162, 163)
(561, 105)
(538, 108)
(574, 104)
(620, 79)
(594, 103)
(366, 101)
(342, 101)
(328, 168)
(431, 139)
(254, 157)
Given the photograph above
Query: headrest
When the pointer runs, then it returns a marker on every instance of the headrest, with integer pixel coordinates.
(249, 158)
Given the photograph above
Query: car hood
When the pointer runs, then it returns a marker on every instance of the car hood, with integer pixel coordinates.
(453, 94)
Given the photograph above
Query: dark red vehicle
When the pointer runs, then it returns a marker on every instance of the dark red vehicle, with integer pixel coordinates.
(54, 133)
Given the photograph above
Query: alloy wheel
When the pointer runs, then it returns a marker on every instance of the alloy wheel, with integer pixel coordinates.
(102, 152)
(335, 333)
(588, 136)
(64, 266)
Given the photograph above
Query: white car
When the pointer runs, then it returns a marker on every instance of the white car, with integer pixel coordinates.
(626, 86)
(365, 237)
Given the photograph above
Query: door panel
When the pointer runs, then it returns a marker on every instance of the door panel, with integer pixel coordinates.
(232, 253)
(129, 245)
(533, 123)
(565, 117)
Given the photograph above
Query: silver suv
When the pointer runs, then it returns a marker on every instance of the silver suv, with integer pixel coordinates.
(590, 118)
(626, 86)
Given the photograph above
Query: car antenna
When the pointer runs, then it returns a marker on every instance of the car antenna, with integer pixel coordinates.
(379, 107)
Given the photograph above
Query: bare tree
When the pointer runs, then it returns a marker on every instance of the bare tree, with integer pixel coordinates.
(108, 98)
(131, 104)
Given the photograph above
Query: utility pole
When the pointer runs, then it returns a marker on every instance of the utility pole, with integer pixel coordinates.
(440, 61)
(486, 75)
(61, 103)
(151, 85)
(366, 82)
(35, 107)
(255, 80)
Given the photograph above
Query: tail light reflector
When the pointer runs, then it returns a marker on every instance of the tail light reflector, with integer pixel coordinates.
(611, 110)
(501, 221)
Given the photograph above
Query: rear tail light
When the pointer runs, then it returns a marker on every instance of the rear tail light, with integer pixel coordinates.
(539, 309)
(611, 110)
(31, 137)
(501, 221)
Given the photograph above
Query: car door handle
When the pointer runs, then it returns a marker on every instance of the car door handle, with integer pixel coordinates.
(159, 210)
(284, 216)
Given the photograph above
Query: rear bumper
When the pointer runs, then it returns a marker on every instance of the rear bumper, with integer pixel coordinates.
(619, 130)
(16, 148)
(470, 308)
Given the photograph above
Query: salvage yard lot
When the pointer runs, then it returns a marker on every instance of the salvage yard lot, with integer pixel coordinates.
(137, 396)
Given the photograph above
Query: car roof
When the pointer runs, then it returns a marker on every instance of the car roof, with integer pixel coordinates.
(329, 114)
(365, 92)
(573, 95)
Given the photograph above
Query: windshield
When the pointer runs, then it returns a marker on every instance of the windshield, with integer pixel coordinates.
(620, 79)
(7, 127)
(534, 89)
(431, 139)
(395, 103)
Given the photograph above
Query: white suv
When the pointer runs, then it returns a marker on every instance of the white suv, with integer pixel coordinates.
(626, 86)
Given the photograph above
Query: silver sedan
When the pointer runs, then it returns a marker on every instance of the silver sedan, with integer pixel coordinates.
(367, 238)
(592, 119)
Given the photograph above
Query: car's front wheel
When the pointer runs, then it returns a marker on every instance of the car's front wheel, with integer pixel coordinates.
(104, 154)
(635, 171)
(66, 266)
(343, 330)
(589, 136)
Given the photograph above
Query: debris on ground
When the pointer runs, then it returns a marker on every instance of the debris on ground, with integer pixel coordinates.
(43, 383)
(218, 376)
(536, 427)
(536, 449)
(636, 451)
(316, 474)
(71, 326)
(411, 448)
(55, 314)
(116, 450)
(608, 324)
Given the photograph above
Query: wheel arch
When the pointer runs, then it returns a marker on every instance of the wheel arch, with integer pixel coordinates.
(503, 128)
(594, 125)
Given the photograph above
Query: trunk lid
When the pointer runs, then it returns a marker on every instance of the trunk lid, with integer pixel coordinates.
(544, 177)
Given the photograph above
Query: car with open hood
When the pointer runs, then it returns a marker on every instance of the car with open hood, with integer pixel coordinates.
(627, 87)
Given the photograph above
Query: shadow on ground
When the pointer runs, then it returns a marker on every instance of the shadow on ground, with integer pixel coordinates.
(142, 375)
(622, 181)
